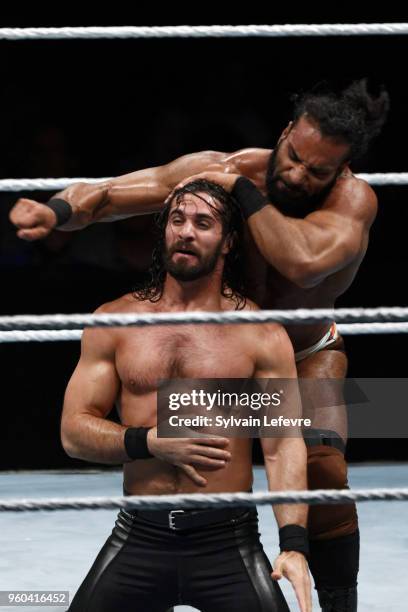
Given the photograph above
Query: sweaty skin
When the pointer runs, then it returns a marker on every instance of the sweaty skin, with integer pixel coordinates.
(326, 247)
(292, 262)
(126, 365)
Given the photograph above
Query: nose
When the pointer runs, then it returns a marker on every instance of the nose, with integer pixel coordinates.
(186, 230)
(296, 176)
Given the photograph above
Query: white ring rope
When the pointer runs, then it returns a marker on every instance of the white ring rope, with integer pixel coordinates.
(46, 184)
(299, 316)
(357, 329)
(60, 322)
(56, 184)
(42, 335)
(204, 500)
(218, 31)
(385, 178)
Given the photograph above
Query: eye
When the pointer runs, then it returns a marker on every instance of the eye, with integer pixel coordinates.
(293, 155)
(203, 225)
(177, 220)
(320, 174)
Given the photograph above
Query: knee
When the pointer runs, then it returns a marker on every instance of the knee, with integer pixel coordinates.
(326, 468)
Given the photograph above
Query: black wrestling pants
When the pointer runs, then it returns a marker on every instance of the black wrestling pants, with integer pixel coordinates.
(145, 566)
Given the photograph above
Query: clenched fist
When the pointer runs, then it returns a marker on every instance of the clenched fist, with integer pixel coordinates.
(33, 219)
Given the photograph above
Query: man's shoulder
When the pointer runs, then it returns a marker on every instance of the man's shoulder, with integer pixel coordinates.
(127, 303)
(266, 335)
(354, 197)
(251, 162)
(358, 186)
(248, 161)
(250, 305)
(104, 340)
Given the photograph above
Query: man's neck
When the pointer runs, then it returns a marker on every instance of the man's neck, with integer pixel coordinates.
(201, 294)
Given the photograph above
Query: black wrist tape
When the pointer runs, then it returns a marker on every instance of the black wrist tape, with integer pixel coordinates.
(136, 443)
(62, 209)
(294, 537)
(249, 198)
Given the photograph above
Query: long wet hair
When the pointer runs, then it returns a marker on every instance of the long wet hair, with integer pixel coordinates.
(229, 214)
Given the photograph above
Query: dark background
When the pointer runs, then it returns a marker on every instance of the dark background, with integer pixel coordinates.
(103, 108)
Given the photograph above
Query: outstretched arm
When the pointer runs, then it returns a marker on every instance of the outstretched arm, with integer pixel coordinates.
(136, 193)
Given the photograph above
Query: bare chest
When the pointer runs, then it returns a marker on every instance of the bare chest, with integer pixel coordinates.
(146, 356)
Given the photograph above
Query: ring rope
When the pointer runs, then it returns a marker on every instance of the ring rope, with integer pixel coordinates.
(42, 335)
(48, 184)
(299, 316)
(56, 184)
(204, 500)
(218, 31)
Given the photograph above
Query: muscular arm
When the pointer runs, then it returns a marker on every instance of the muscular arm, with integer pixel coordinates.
(285, 458)
(306, 251)
(136, 193)
(90, 396)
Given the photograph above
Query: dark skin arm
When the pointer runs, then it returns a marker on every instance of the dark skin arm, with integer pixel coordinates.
(136, 193)
(325, 241)
(322, 243)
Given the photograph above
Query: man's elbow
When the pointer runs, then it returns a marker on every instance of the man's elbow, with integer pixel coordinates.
(301, 269)
(292, 446)
(68, 440)
(272, 458)
(69, 447)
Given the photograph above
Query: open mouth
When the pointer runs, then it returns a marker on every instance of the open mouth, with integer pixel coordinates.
(186, 252)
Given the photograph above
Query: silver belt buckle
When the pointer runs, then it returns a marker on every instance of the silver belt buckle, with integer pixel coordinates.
(172, 515)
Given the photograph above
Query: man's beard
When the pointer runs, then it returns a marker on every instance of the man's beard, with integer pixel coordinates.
(184, 270)
(292, 203)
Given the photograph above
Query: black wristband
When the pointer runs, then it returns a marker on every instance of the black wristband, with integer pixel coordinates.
(249, 198)
(136, 443)
(294, 537)
(62, 209)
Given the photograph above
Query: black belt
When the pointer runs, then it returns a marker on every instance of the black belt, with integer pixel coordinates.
(188, 519)
(325, 437)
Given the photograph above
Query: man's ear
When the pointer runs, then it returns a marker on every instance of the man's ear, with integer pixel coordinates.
(285, 132)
